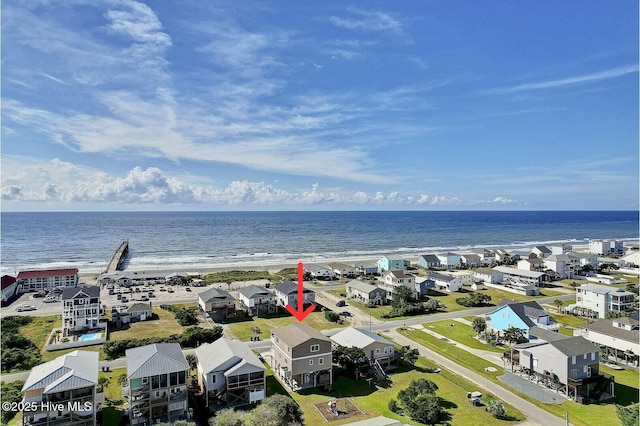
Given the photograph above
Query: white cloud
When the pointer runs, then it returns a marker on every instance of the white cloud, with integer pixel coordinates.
(367, 21)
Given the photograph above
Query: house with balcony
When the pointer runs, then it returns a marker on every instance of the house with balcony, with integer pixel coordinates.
(488, 275)
(569, 365)
(366, 268)
(81, 310)
(523, 315)
(217, 303)
(395, 278)
(387, 263)
(46, 279)
(301, 357)
(542, 251)
(606, 247)
(595, 300)
(617, 338)
(429, 261)
(287, 294)
(68, 383)
(444, 282)
(470, 260)
(140, 311)
(522, 277)
(318, 272)
(562, 265)
(366, 293)
(256, 301)
(531, 264)
(449, 260)
(230, 374)
(379, 351)
(156, 384)
(342, 270)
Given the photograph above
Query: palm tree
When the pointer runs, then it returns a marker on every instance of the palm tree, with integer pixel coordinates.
(192, 361)
(479, 325)
(558, 303)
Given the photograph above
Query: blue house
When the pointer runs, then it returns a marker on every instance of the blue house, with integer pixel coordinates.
(387, 264)
(523, 315)
(429, 261)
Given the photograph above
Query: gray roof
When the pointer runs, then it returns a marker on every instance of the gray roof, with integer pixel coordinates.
(254, 291)
(543, 249)
(339, 265)
(362, 286)
(215, 295)
(398, 273)
(430, 258)
(159, 358)
(574, 346)
(289, 287)
(376, 421)
(546, 335)
(524, 310)
(74, 370)
(603, 289)
(606, 327)
(139, 307)
(359, 338)
(90, 291)
(230, 355)
(485, 271)
(520, 272)
(440, 277)
(296, 334)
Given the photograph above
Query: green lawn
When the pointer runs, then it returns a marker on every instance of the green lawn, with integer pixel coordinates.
(164, 326)
(112, 409)
(579, 414)
(461, 333)
(242, 329)
(373, 400)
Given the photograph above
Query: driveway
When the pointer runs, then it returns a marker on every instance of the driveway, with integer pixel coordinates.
(357, 318)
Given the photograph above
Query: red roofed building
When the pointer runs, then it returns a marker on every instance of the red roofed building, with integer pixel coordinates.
(47, 279)
(9, 286)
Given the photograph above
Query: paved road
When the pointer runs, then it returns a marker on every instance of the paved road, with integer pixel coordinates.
(534, 414)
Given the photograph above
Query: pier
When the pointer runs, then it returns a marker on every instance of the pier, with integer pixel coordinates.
(118, 257)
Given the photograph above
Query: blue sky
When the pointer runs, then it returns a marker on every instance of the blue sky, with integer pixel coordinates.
(227, 105)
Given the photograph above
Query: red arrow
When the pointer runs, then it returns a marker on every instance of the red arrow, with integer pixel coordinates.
(300, 313)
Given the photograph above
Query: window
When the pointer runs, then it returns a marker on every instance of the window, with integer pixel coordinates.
(377, 351)
(573, 360)
(574, 374)
(593, 356)
(321, 361)
(310, 362)
(315, 348)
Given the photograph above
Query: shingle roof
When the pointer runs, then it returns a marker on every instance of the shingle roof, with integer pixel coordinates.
(84, 291)
(7, 280)
(485, 271)
(524, 310)
(22, 275)
(232, 355)
(573, 346)
(74, 370)
(398, 273)
(546, 335)
(139, 307)
(605, 326)
(430, 258)
(362, 286)
(440, 277)
(289, 287)
(158, 358)
(356, 337)
(543, 249)
(295, 334)
(254, 291)
(215, 293)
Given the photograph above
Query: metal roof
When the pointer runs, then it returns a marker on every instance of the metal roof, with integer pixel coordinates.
(89, 291)
(44, 273)
(74, 370)
(295, 334)
(254, 291)
(158, 358)
(362, 286)
(215, 293)
(231, 355)
(289, 287)
(359, 338)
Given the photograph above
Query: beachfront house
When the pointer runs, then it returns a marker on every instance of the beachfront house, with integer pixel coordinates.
(531, 264)
(617, 338)
(229, 373)
(256, 301)
(318, 272)
(523, 315)
(542, 251)
(47, 279)
(429, 261)
(342, 270)
(156, 384)
(217, 303)
(395, 278)
(595, 300)
(81, 309)
(606, 247)
(387, 263)
(446, 283)
(9, 288)
(287, 294)
(470, 260)
(379, 351)
(301, 357)
(488, 275)
(570, 365)
(366, 269)
(70, 382)
(367, 293)
(449, 260)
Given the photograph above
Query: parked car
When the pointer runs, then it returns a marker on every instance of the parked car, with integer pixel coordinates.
(187, 289)
(345, 313)
(40, 294)
(340, 303)
(170, 290)
(144, 298)
(124, 299)
(50, 299)
(163, 289)
(119, 296)
(26, 308)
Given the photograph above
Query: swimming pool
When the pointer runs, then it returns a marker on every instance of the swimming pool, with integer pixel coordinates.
(91, 336)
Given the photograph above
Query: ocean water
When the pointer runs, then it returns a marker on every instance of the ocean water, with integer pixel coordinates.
(192, 240)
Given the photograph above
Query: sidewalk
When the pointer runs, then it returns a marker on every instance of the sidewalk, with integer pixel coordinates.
(534, 414)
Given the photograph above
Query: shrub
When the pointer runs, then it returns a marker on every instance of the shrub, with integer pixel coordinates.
(10, 392)
(331, 316)
(393, 406)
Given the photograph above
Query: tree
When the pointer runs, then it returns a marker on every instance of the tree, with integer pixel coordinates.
(558, 303)
(420, 402)
(331, 316)
(514, 335)
(496, 408)
(103, 381)
(629, 416)
(433, 305)
(353, 359)
(402, 296)
(192, 361)
(479, 325)
(285, 410)
(229, 417)
(408, 355)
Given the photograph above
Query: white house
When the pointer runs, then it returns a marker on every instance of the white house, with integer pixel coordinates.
(47, 279)
(395, 278)
(287, 294)
(342, 270)
(377, 349)
(561, 264)
(81, 309)
(595, 300)
(255, 300)
(466, 277)
(488, 275)
(318, 272)
(444, 282)
(522, 277)
(449, 260)
(606, 247)
(471, 260)
(9, 287)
